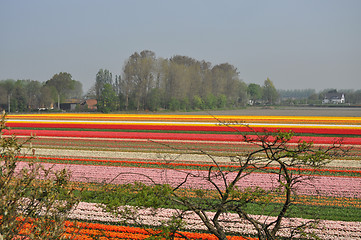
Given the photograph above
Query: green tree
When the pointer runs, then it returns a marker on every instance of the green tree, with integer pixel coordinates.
(211, 101)
(198, 103)
(64, 85)
(178, 81)
(19, 101)
(3, 98)
(270, 94)
(6, 90)
(31, 194)
(33, 94)
(255, 92)
(155, 99)
(103, 77)
(314, 99)
(174, 104)
(76, 91)
(243, 96)
(184, 79)
(221, 101)
(128, 82)
(139, 78)
(225, 80)
(107, 101)
(353, 96)
(49, 97)
(118, 92)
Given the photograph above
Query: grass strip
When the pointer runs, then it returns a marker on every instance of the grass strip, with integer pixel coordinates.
(311, 207)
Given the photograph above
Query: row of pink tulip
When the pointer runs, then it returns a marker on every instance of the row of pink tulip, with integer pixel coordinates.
(325, 230)
(312, 185)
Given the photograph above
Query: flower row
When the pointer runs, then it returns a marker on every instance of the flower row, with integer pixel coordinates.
(88, 231)
(193, 118)
(156, 163)
(194, 127)
(317, 185)
(170, 136)
(326, 229)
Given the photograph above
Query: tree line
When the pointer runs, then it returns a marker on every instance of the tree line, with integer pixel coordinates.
(147, 82)
(178, 83)
(184, 83)
(310, 96)
(29, 95)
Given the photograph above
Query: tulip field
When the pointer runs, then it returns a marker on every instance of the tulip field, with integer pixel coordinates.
(121, 148)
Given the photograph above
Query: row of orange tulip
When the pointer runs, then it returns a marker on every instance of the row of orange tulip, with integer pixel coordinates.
(124, 232)
(89, 231)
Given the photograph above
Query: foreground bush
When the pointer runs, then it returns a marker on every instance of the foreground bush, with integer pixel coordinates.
(32, 195)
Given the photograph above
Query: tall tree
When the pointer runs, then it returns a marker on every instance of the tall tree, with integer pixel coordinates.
(178, 81)
(270, 94)
(128, 83)
(117, 85)
(147, 82)
(48, 97)
(243, 96)
(64, 84)
(76, 91)
(33, 93)
(18, 97)
(225, 80)
(107, 101)
(255, 92)
(103, 77)
(206, 79)
(6, 89)
(138, 78)
(3, 98)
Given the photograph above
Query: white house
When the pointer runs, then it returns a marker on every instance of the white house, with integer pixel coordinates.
(334, 98)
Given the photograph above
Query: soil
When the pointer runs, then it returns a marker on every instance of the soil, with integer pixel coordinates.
(283, 111)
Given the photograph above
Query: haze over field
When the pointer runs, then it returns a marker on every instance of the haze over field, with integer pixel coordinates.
(297, 44)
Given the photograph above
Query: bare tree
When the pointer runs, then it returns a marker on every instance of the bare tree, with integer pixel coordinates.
(273, 154)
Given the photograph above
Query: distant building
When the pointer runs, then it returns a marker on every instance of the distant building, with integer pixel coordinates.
(334, 98)
(69, 104)
(78, 105)
(91, 103)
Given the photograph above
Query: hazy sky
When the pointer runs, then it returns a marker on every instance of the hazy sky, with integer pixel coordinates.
(297, 44)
